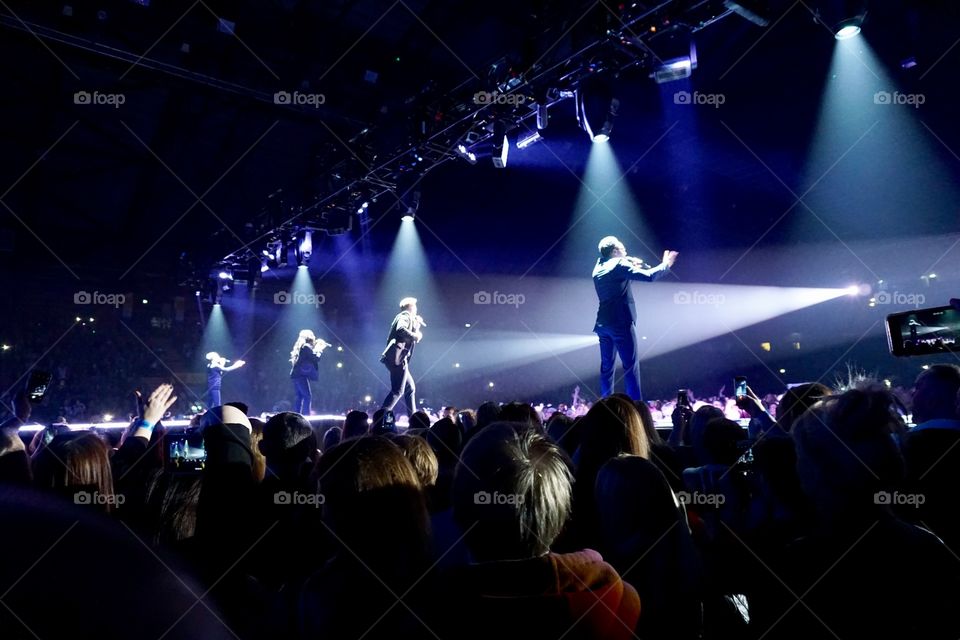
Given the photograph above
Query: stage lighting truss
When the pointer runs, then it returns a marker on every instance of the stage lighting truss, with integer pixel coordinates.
(461, 125)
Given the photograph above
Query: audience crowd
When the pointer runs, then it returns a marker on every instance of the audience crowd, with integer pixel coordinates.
(826, 517)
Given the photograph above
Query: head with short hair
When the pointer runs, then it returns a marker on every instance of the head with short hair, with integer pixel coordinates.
(356, 424)
(520, 412)
(421, 456)
(720, 441)
(512, 492)
(611, 247)
(409, 304)
(331, 438)
(935, 393)
(487, 413)
(419, 420)
(288, 438)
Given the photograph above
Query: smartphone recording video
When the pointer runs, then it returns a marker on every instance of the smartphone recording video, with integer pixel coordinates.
(38, 384)
(740, 386)
(924, 331)
(185, 451)
(683, 398)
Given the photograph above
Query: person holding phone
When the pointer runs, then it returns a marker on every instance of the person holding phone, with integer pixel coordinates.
(216, 367)
(617, 313)
(305, 360)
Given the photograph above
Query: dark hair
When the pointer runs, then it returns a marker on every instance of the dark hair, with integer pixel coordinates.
(512, 492)
(797, 400)
(720, 441)
(935, 393)
(259, 460)
(288, 436)
(446, 439)
(520, 412)
(74, 463)
(846, 450)
(332, 438)
(487, 413)
(607, 245)
(560, 429)
(419, 420)
(693, 436)
(421, 456)
(357, 424)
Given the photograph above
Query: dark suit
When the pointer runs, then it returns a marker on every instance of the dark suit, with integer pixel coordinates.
(616, 317)
(303, 371)
(396, 357)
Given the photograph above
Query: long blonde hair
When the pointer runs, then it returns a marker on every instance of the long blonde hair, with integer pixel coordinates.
(306, 336)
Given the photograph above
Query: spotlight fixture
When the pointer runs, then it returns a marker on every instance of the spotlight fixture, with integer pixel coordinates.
(467, 155)
(676, 55)
(596, 109)
(543, 116)
(303, 247)
(501, 145)
(844, 18)
(531, 138)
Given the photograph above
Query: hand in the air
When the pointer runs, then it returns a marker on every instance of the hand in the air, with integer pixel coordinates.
(669, 257)
(160, 401)
(240, 363)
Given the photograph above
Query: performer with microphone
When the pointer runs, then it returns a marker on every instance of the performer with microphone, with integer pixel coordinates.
(304, 358)
(404, 335)
(216, 367)
(617, 313)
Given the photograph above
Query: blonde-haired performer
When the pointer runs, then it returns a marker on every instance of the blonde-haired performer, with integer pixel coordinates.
(216, 367)
(304, 358)
(405, 333)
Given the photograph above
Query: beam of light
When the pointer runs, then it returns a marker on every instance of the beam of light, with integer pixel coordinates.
(485, 350)
(874, 169)
(216, 335)
(605, 206)
(408, 274)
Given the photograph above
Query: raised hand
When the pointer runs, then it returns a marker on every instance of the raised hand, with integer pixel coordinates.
(159, 402)
(669, 257)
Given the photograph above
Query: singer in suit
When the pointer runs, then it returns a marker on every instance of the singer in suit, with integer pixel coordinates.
(405, 333)
(617, 314)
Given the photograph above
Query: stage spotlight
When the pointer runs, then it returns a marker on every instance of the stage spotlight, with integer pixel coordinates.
(501, 145)
(225, 275)
(362, 208)
(467, 155)
(676, 55)
(407, 217)
(529, 139)
(843, 17)
(303, 248)
(543, 115)
(597, 108)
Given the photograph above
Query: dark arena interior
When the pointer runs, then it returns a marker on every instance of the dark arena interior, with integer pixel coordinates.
(345, 318)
